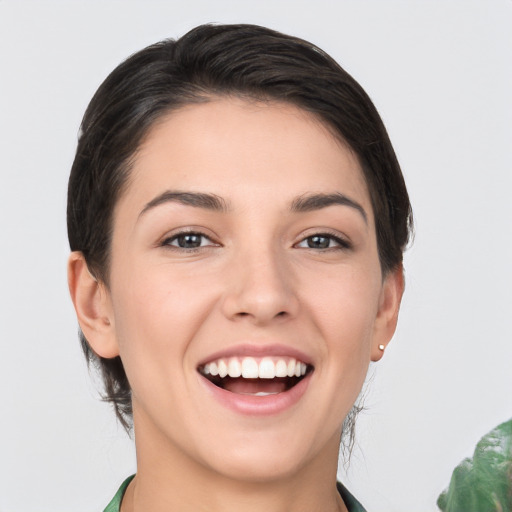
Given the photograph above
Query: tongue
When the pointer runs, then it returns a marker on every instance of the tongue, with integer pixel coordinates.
(253, 386)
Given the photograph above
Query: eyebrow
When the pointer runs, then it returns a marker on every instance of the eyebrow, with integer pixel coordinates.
(197, 199)
(304, 203)
(310, 202)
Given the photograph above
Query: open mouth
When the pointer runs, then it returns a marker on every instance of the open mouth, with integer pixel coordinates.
(255, 376)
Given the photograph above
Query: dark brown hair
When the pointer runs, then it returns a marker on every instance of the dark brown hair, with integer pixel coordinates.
(219, 60)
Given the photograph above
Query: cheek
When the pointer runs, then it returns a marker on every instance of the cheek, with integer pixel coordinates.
(157, 314)
(345, 314)
(345, 305)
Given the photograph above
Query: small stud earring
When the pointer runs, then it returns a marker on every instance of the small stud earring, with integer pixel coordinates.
(382, 347)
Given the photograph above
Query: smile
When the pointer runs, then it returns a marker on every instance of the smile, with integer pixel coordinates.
(255, 376)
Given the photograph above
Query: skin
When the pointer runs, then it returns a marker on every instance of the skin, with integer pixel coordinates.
(254, 280)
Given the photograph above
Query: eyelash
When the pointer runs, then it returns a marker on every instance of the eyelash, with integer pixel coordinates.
(340, 243)
(168, 242)
(174, 240)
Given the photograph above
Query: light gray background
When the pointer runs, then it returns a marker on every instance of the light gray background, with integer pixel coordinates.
(440, 74)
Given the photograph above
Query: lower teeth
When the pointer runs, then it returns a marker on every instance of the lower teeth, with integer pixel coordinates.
(260, 393)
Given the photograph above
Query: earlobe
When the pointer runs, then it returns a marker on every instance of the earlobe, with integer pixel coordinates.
(93, 307)
(387, 315)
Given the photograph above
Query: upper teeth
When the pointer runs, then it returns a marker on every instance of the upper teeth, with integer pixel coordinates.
(251, 368)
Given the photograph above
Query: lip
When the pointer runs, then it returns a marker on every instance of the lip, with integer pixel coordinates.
(257, 350)
(251, 405)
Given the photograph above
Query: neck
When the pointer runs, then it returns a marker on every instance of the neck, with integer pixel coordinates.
(144, 494)
(167, 479)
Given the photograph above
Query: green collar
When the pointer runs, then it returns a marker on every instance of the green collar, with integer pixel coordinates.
(115, 504)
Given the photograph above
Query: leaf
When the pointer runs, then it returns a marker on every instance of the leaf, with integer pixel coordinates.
(483, 483)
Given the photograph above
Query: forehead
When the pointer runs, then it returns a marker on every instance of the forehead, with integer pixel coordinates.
(237, 147)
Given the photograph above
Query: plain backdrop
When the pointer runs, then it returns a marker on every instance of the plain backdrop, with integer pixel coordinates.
(440, 74)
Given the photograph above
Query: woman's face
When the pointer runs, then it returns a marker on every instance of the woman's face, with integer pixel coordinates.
(245, 242)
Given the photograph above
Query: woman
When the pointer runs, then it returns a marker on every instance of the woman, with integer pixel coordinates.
(237, 218)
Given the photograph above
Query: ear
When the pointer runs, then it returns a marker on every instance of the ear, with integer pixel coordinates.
(93, 307)
(387, 315)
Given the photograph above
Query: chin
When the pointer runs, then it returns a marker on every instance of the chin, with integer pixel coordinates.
(258, 468)
(263, 457)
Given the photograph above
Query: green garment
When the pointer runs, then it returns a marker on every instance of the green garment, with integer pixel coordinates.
(352, 504)
(483, 483)
(115, 504)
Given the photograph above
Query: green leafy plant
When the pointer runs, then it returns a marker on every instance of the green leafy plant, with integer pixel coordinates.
(483, 483)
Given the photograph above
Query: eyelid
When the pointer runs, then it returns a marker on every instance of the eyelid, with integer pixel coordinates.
(343, 242)
(191, 230)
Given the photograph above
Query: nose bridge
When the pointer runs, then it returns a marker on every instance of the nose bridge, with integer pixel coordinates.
(261, 284)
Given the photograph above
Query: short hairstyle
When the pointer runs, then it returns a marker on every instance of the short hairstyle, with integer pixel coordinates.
(217, 61)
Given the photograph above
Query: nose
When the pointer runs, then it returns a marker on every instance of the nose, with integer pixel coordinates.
(262, 289)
